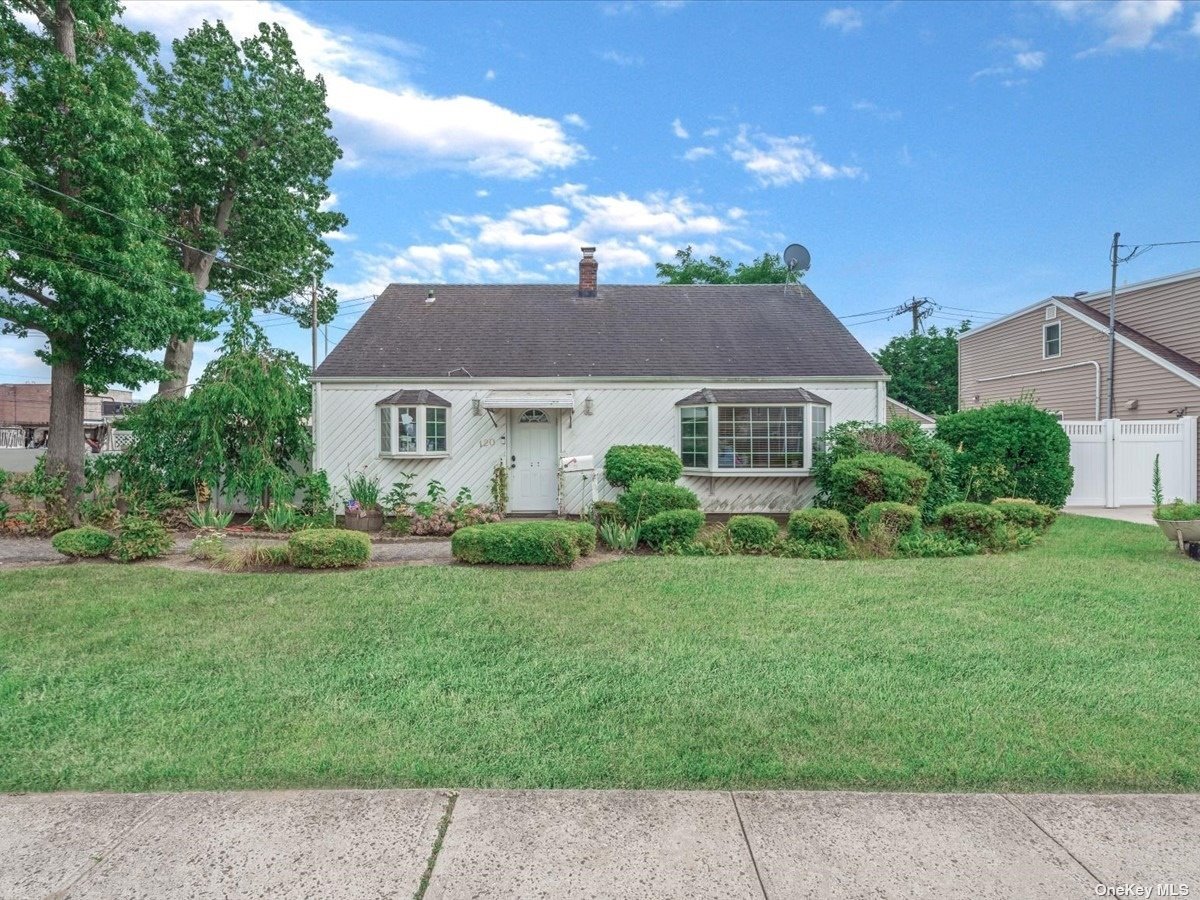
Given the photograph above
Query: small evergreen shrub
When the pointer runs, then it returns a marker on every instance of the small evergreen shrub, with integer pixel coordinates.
(827, 527)
(208, 546)
(328, 548)
(141, 539)
(754, 534)
(874, 477)
(975, 523)
(645, 499)
(672, 526)
(605, 511)
(87, 542)
(626, 463)
(895, 519)
(1010, 449)
(524, 543)
(1026, 513)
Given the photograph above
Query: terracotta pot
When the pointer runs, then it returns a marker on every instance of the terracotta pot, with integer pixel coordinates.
(365, 520)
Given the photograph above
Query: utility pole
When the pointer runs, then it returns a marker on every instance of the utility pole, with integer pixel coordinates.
(314, 324)
(1112, 323)
(920, 307)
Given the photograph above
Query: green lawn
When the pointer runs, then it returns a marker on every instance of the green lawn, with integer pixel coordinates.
(1073, 666)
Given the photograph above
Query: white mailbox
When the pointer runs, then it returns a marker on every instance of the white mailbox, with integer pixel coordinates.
(578, 463)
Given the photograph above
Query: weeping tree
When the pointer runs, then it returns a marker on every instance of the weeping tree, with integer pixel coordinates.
(251, 156)
(83, 256)
(240, 429)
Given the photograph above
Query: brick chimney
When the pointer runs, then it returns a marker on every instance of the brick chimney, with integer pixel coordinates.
(587, 272)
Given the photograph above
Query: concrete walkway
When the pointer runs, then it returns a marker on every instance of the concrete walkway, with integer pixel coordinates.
(1140, 515)
(593, 844)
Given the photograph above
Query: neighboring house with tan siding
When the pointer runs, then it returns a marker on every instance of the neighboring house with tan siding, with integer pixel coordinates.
(898, 410)
(1056, 351)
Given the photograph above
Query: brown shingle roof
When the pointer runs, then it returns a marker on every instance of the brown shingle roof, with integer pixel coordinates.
(750, 396)
(628, 330)
(1189, 365)
(413, 398)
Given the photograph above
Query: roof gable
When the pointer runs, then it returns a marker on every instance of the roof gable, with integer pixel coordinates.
(628, 330)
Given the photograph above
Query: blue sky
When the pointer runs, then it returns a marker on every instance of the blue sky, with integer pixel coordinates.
(980, 154)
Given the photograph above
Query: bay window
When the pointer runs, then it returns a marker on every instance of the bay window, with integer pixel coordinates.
(413, 423)
(726, 432)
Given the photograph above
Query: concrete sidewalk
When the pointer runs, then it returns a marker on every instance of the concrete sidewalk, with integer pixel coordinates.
(613, 844)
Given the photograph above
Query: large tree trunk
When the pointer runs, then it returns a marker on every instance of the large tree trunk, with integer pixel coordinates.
(65, 451)
(178, 358)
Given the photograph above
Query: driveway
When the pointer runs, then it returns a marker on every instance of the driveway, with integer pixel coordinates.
(1139, 515)
(596, 844)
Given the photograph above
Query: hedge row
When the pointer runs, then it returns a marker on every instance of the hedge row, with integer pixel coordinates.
(524, 543)
(137, 539)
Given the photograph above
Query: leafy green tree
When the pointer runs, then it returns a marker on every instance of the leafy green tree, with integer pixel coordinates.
(690, 269)
(251, 155)
(82, 256)
(239, 430)
(924, 369)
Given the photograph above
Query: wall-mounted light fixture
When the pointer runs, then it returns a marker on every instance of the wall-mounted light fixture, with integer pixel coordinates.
(587, 406)
(477, 406)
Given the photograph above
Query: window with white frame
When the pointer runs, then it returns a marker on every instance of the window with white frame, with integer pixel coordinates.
(1051, 340)
(730, 438)
(413, 429)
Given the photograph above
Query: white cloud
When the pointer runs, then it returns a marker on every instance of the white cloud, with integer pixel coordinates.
(329, 202)
(884, 115)
(489, 75)
(818, 110)
(845, 18)
(678, 130)
(575, 119)
(17, 363)
(541, 242)
(780, 161)
(625, 60)
(1128, 24)
(710, 132)
(696, 153)
(1030, 60)
(482, 192)
(376, 107)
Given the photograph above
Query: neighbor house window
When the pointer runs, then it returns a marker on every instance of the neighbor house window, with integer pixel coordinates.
(1051, 340)
(693, 436)
(766, 436)
(413, 423)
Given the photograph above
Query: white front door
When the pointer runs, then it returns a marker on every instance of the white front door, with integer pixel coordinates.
(533, 486)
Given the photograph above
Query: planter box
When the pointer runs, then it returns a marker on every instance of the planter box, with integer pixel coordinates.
(1182, 531)
(365, 520)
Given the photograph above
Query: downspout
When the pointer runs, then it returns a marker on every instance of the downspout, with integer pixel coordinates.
(1090, 362)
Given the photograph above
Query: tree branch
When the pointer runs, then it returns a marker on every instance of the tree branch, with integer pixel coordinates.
(30, 292)
(44, 14)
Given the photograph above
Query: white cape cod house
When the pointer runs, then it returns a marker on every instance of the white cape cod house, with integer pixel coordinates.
(449, 381)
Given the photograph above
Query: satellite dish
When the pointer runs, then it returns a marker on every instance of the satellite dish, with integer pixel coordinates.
(797, 258)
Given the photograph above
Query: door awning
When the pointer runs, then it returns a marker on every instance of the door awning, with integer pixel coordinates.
(529, 400)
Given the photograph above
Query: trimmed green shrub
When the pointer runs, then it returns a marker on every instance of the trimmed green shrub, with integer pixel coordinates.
(1010, 450)
(902, 438)
(672, 526)
(604, 511)
(645, 498)
(753, 533)
(894, 518)
(975, 523)
(874, 477)
(1025, 513)
(328, 548)
(82, 543)
(141, 539)
(523, 543)
(827, 527)
(626, 463)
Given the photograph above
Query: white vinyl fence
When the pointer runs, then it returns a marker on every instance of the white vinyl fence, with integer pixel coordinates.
(1114, 460)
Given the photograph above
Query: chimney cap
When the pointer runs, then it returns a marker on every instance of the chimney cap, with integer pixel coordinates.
(587, 251)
